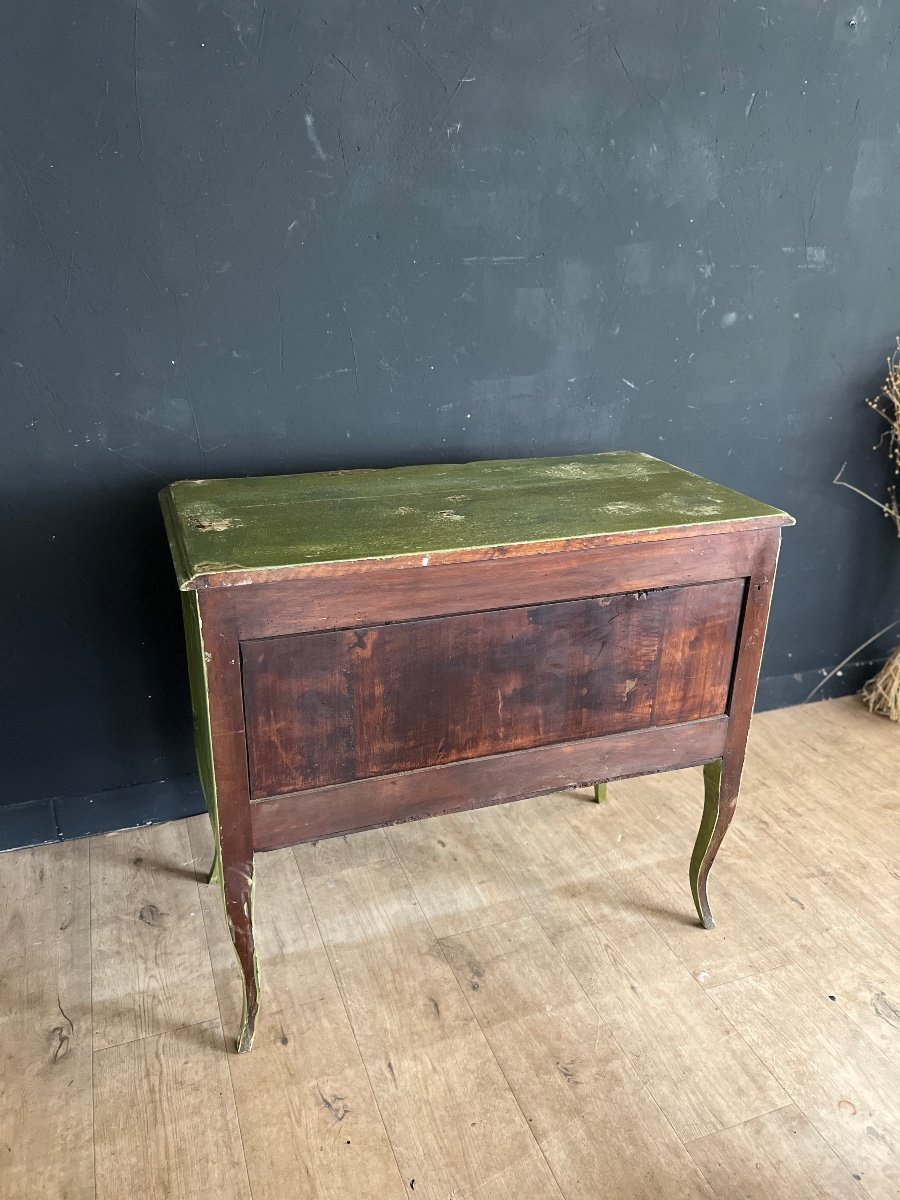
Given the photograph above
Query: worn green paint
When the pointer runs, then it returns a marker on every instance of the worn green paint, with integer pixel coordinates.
(712, 788)
(279, 521)
(193, 634)
(215, 871)
(247, 1030)
(600, 793)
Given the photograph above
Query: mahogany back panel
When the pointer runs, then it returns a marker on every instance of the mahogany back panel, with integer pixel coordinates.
(327, 707)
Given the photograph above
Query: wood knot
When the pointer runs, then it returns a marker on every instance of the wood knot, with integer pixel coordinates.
(60, 1043)
(151, 915)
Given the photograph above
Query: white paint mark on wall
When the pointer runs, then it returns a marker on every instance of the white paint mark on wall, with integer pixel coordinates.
(816, 258)
(728, 319)
(314, 137)
(496, 259)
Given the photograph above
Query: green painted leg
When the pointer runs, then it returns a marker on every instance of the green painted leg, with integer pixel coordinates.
(720, 798)
(238, 891)
(215, 874)
(600, 793)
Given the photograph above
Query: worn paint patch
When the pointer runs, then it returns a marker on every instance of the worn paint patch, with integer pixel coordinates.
(206, 518)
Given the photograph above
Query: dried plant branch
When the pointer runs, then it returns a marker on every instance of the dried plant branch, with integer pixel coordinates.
(887, 405)
(853, 653)
(889, 510)
(882, 693)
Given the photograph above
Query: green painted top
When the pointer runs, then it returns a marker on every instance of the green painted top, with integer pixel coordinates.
(232, 528)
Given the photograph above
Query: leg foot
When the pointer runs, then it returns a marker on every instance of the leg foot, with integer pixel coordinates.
(600, 793)
(239, 883)
(215, 873)
(720, 799)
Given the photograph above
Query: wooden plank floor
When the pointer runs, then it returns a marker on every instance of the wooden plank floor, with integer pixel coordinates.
(512, 1003)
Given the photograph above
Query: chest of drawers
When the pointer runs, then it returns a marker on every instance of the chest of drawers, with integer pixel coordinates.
(367, 647)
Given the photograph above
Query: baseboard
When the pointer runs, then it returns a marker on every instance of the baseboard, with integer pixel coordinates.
(41, 821)
(784, 691)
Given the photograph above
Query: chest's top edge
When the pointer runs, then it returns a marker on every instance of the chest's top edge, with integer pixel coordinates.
(233, 531)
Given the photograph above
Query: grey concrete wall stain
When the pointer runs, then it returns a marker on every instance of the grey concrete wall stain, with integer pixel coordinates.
(252, 236)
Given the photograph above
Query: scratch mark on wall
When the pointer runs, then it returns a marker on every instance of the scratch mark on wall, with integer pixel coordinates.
(29, 198)
(625, 69)
(68, 290)
(262, 26)
(137, 106)
(280, 333)
(341, 63)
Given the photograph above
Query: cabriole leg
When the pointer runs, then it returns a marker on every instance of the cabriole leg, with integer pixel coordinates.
(238, 886)
(720, 799)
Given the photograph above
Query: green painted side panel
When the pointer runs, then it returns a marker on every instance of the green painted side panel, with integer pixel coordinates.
(338, 516)
(199, 700)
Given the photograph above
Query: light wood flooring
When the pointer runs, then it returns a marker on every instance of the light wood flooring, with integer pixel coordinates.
(516, 1003)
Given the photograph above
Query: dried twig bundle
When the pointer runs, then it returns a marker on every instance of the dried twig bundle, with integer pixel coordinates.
(887, 405)
(882, 693)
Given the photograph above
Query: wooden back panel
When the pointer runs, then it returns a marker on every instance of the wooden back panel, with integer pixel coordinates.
(328, 707)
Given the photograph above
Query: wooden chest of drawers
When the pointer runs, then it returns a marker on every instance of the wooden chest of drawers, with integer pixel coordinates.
(373, 646)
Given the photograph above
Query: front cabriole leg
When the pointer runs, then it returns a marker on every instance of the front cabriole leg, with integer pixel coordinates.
(719, 802)
(224, 746)
(238, 888)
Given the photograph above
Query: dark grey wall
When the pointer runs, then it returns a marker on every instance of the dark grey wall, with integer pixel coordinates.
(244, 237)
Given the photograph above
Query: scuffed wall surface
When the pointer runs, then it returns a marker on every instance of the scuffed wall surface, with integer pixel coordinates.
(256, 237)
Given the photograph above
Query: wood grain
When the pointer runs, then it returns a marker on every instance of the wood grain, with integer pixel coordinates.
(165, 1123)
(779, 1154)
(151, 970)
(455, 875)
(391, 593)
(330, 707)
(46, 1126)
(434, 791)
(851, 1096)
(304, 1101)
(700, 1073)
(337, 853)
(454, 1125)
(584, 1102)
